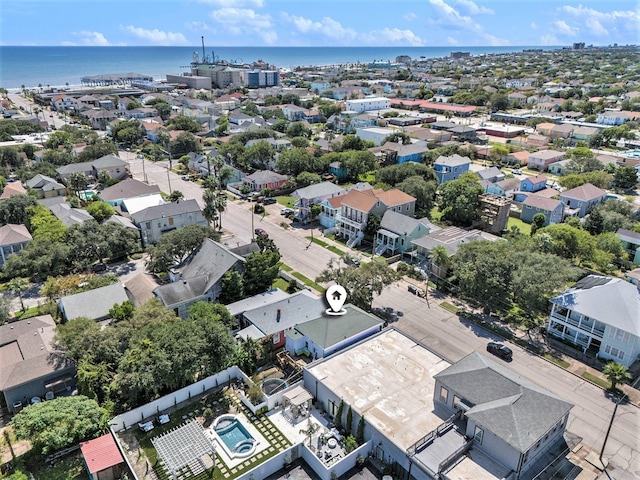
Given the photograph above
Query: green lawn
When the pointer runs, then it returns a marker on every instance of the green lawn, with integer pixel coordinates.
(595, 379)
(308, 282)
(522, 226)
(324, 244)
(286, 200)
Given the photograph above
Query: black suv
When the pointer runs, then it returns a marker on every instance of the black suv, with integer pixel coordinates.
(268, 201)
(499, 350)
(98, 267)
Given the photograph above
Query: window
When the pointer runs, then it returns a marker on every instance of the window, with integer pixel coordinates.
(170, 220)
(621, 355)
(478, 434)
(619, 335)
(148, 225)
(276, 338)
(444, 394)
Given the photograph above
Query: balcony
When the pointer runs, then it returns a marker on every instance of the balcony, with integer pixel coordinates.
(353, 223)
(588, 326)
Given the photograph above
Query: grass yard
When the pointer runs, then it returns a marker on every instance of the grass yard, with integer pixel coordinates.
(308, 282)
(524, 228)
(286, 200)
(324, 244)
(595, 379)
(556, 360)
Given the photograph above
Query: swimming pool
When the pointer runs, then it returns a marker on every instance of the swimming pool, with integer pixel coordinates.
(234, 437)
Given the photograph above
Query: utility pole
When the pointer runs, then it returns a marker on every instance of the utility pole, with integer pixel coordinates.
(606, 437)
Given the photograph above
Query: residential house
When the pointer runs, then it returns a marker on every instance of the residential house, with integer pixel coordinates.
(13, 238)
(450, 238)
(141, 112)
(99, 117)
(330, 214)
(102, 458)
(11, 189)
(392, 153)
(338, 170)
(493, 213)
(358, 205)
(581, 200)
(128, 188)
(463, 133)
(553, 210)
(397, 231)
(505, 188)
(368, 103)
(93, 304)
(69, 215)
(541, 159)
(492, 174)
(450, 168)
(375, 134)
(631, 243)
(517, 98)
(265, 179)
(294, 113)
(558, 168)
(64, 102)
(533, 183)
(545, 128)
(84, 168)
(509, 418)
(272, 320)
(31, 364)
(114, 166)
(155, 221)
(584, 134)
(612, 118)
(563, 130)
(314, 194)
(600, 314)
(129, 206)
(421, 440)
(200, 279)
(534, 140)
(46, 187)
(518, 158)
(327, 334)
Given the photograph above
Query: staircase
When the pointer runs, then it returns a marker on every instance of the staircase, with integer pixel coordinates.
(355, 240)
(380, 249)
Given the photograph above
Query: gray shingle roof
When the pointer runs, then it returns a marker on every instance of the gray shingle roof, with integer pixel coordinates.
(27, 351)
(328, 330)
(109, 161)
(452, 161)
(11, 233)
(68, 215)
(513, 408)
(94, 304)
(608, 300)
(318, 189)
(403, 224)
(128, 188)
(75, 167)
(167, 210)
(300, 307)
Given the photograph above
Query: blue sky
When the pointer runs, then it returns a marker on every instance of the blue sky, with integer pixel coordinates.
(318, 23)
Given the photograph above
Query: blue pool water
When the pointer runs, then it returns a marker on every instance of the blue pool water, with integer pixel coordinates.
(234, 435)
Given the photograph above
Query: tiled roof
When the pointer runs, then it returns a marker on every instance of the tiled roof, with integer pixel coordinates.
(101, 453)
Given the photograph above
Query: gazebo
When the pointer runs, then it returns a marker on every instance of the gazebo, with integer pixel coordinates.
(185, 446)
(297, 403)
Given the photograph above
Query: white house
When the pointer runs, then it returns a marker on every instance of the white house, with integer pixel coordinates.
(370, 102)
(601, 314)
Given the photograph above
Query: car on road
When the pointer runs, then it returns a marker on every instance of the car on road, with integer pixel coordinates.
(352, 261)
(186, 178)
(260, 231)
(499, 350)
(287, 211)
(516, 171)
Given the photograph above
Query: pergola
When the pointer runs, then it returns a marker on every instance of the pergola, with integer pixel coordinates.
(184, 446)
(297, 402)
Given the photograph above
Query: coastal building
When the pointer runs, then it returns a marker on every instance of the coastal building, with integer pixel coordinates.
(450, 168)
(155, 221)
(600, 314)
(368, 103)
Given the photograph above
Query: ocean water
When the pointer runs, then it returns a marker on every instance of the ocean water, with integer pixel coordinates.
(59, 66)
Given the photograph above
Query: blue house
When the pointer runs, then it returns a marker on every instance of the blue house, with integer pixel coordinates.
(533, 184)
(550, 208)
(412, 152)
(338, 170)
(397, 231)
(631, 243)
(450, 168)
(581, 200)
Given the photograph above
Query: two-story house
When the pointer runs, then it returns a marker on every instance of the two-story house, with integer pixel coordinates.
(552, 209)
(581, 200)
(155, 221)
(600, 314)
(13, 238)
(357, 206)
(533, 183)
(397, 231)
(200, 279)
(541, 160)
(450, 168)
(313, 194)
(116, 194)
(631, 243)
(46, 187)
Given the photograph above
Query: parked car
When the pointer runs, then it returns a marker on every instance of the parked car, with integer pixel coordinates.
(286, 211)
(268, 201)
(98, 267)
(516, 171)
(260, 231)
(499, 350)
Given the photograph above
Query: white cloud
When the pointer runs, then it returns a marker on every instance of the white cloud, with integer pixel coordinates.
(244, 21)
(452, 41)
(410, 17)
(549, 40)
(90, 39)
(564, 28)
(392, 36)
(198, 26)
(449, 17)
(473, 9)
(327, 26)
(600, 23)
(595, 27)
(155, 36)
(495, 41)
(533, 25)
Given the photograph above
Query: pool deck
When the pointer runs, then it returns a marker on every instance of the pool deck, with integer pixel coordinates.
(222, 451)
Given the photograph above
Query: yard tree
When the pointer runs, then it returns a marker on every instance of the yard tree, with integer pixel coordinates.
(569, 242)
(40, 259)
(97, 150)
(298, 129)
(182, 122)
(100, 211)
(59, 423)
(616, 374)
(44, 224)
(359, 163)
(258, 155)
(88, 244)
(17, 286)
(361, 283)
(423, 191)
(458, 200)
(440, 258)
(626, 177)
(295, 161)
(260, 270)
(77, 181)
(123, 241)
(174, 247)
(395, 174)
(538, 222)
(184, 143)
(15, 209)
(232, 287)
(599, 178)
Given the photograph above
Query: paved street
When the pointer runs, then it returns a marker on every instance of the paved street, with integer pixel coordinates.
(437, 328)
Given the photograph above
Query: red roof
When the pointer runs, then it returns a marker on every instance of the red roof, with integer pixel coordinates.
(101, 453)
(451, 107)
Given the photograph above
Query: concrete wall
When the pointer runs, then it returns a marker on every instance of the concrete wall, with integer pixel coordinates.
(132, 417)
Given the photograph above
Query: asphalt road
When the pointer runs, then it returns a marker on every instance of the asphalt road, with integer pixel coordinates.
(452, 337)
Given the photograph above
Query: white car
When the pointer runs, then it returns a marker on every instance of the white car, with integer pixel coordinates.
(516, 171)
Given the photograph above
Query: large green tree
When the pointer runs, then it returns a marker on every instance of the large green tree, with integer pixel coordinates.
(174, 247)
(260, 270)
(458, 200)
(59, 423)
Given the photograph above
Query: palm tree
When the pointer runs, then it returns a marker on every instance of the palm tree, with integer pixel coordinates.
(209, 211)
(439, 257)
(310, 430)
(221, 206)
(17, 285)
(616, 374)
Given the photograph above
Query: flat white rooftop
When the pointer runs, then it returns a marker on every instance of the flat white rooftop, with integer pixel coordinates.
(389, 379)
